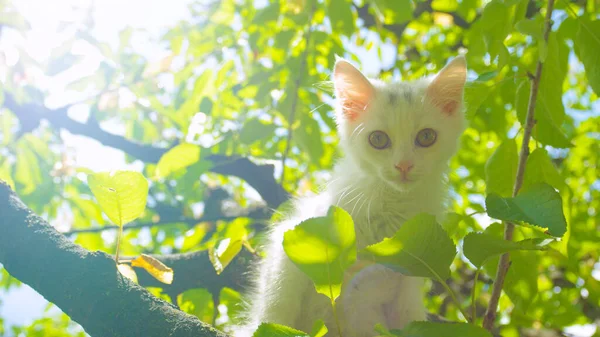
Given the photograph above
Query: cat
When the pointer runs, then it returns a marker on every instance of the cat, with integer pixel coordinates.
(397, 139)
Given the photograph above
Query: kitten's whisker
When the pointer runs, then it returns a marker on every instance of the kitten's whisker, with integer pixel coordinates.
(345, 193)
(356, 203)
(356, 128)
(358, 195)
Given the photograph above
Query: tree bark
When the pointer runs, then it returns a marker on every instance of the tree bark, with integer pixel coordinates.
(85, 285)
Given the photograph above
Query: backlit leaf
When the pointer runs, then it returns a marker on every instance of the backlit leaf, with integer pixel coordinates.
(223, 253)
(121, 194)
(501, 169)
(323, 248)
(277, 330)
(177, 158)
(419, 248)
(539, 169)
(255, 129)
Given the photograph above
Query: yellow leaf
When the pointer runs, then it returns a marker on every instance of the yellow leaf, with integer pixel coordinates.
(223, 252)
(128, 272)
(154, 267)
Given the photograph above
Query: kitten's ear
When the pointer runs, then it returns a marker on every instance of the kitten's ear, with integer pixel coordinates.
(352, 89)
(446, 90)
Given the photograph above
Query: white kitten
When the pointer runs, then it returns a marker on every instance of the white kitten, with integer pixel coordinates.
(397, 139)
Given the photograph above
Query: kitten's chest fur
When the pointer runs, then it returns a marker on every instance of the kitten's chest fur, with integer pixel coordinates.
(378, 210)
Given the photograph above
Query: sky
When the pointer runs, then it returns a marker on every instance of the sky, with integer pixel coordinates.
(22, 305)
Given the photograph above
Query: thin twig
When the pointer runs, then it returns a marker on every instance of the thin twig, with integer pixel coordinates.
(256, 215)
(490, 315)
(304, 61)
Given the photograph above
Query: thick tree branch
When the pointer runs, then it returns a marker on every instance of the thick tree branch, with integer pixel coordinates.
(85, 285)
(504, 264)
(260, 177)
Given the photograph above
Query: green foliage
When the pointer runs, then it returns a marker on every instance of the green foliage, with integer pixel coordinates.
(501, 169)
(121, 194)
(177, 158)
(540, 205)
(428, 329)
(479, 247)
(277, 330)
(323, 248)
(419, 248)
(587, 44)
(242, 67)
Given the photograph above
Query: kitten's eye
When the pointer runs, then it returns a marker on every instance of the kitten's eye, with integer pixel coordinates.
(426, 137)
(379, 140)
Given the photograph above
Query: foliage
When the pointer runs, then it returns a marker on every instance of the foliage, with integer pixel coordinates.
(243, 78)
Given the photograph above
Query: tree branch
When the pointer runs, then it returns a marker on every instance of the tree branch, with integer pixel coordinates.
(256, 214)
(85, 285)
(260, 177)
(504, 264)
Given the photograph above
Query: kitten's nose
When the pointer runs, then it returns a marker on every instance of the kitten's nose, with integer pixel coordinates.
(404, 166)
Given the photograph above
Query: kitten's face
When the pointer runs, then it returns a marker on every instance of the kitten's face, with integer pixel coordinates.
(403, 133)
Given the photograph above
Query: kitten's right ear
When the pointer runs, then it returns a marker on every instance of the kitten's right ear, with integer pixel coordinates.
(352, 89)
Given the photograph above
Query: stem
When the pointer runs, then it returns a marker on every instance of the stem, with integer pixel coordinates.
(118, 244)
(490, 315)
(294, 105)
(335, 316)
(454, 298)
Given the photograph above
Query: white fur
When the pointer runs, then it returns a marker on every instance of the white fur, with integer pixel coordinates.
(367, 185)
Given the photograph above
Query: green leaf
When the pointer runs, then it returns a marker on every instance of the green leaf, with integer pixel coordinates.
(435, 329)
(277, 330)
(269, 13)
(479, 247)
(197, 302)
(419, 248)
(323, 248)
(549, 111)
(475, 94)
(496, 24)
(539, 169)
(122, 194)
(394, 11)
(319, 329)
(587, 45)
(177, 158)
(341, 17)
(255, 129)
(501, 169)
(533, 27)
(309, 138)
(487, 76)
(540, 205)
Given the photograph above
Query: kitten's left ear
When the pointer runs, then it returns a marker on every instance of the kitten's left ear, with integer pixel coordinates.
(446, 90)
(352, 89)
